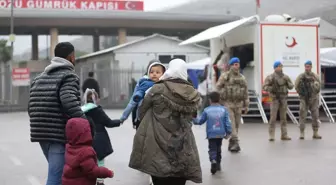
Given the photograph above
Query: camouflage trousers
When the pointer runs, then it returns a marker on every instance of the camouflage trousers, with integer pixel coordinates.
(235, 114)
(313, 106)
(205, 103)
(281, 106)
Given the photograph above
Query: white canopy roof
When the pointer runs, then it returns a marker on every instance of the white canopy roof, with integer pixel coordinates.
(218, 31)
(328, 53)
(328, 57)
(199, 64)
(327, 30)
(331, 52)
(327, 63)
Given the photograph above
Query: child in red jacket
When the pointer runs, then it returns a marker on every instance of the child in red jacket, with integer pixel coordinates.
(80, 158)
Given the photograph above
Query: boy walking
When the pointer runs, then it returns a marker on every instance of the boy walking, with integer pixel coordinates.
(218, 127)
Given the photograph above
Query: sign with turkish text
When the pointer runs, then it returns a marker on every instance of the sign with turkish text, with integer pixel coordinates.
(20, 77)
(75, 4)
(292, 45)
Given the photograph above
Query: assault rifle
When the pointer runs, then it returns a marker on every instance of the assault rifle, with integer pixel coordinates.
(305, 90)
(275, 88)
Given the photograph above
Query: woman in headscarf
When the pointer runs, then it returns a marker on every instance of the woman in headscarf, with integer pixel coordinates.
(164, 145)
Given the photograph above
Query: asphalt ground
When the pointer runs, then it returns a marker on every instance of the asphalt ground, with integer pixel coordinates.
(296, 162)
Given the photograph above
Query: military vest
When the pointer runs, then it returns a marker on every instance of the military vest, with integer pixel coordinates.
(234, 88)
(279, 85)
(308, 85)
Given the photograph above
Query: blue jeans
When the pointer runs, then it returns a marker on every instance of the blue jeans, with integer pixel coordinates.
(215, 149)
(54, 153)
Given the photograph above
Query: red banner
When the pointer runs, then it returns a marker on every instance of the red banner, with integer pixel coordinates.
(75, 4)
(20, 76)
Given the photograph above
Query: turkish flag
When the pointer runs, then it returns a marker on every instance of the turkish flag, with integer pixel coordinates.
(131, 5)
(258, 3)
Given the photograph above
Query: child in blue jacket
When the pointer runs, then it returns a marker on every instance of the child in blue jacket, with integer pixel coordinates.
(218, 126)
(154, 72)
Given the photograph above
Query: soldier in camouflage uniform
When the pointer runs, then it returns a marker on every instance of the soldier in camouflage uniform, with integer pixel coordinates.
(308, 86)
(234, 95)
(277, 85)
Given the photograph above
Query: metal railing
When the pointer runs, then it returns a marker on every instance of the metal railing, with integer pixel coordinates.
(291, 116)
(256, 110)
(261, 109)
(116, 86)
(326, 110)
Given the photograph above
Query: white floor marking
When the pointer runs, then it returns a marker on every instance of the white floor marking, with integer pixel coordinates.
(15, 160)
(150, 180)
(33, 180)
(4, 148)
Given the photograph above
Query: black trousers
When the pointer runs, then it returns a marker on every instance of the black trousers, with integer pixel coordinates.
(134, 115)
(168, 180)
(136, 124)
(215, 149)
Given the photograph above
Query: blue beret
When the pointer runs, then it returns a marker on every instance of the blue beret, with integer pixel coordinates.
(276, 64)
(234, 60)
(308, 63)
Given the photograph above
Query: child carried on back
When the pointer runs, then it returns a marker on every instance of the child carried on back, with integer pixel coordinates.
(154, 72)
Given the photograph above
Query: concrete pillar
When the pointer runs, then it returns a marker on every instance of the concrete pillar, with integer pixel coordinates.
(122, 36)
(35, 48)
(53, 41)
(96, 43)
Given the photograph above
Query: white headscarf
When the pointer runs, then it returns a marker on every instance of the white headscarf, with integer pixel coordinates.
(177, 69)
(94, 98)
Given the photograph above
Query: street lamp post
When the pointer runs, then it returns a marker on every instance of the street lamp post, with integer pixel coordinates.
(12, 40)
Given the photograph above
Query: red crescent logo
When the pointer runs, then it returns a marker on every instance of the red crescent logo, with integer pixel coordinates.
(292, 44)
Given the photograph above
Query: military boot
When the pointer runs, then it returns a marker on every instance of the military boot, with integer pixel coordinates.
(284, 134)
(230, 144)
(285, 138)
(235, 146)
(271, 133)
(316, 135)
(302, 134)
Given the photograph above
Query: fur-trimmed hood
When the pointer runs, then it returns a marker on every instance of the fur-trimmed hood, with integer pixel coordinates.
(166, 132)
(180, 96)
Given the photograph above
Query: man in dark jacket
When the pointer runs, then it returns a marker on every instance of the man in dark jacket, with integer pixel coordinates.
(54, 99)
(91, 83)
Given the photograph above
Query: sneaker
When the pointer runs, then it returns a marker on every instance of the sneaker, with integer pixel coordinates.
(213, 167)
(219, 168)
